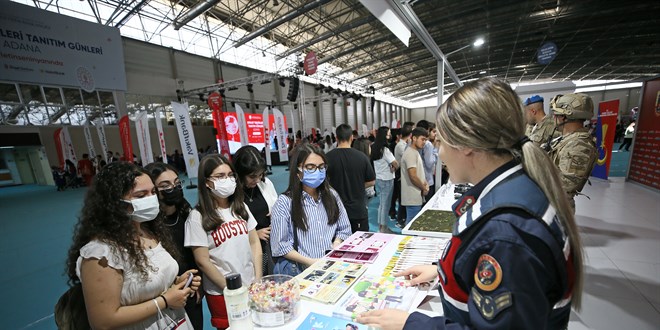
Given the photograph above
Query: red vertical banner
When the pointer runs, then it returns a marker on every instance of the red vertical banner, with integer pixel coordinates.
(606, 126)
(215, 103)
(58, 146)
(644, 164)
(125, 135)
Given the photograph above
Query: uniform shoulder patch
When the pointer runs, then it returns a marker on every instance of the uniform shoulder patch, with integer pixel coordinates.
(488, 273)
(490, 306)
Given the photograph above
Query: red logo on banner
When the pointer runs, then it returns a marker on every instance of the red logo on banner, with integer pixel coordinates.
(215, 103)
(310, 63)
(125, 134)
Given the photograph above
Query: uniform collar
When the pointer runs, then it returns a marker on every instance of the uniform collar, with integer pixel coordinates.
(467, 200)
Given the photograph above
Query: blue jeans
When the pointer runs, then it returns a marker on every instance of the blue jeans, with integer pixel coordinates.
(385, 188)
(411, 212)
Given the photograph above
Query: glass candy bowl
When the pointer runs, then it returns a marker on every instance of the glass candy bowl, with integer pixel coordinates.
(274, 300)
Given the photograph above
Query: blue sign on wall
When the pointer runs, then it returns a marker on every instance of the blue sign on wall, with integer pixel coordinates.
(546, 53)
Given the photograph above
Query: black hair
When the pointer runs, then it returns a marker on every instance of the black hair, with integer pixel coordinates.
(423, 124)
(418, 131)
(380, 143)
(344, 133)
(248, 160)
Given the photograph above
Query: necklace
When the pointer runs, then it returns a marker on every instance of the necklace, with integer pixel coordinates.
(251, 194)
(178, 214)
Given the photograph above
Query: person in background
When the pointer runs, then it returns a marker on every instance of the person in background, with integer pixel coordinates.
(574, 152)
(429, 156)
(259, 195)
(221, 232)
(123, 255)
(413, 178)
(350, 172)
(71, 174)
(385, 165)
(328, 144)
(391, 144)
(541, 127)
(308, 218)
(86, 169)
(176, 209)
(399, 149)
(515, 258)
(628, 136)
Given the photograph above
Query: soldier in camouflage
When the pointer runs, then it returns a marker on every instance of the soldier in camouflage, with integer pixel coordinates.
(574, 152)
(540, 127)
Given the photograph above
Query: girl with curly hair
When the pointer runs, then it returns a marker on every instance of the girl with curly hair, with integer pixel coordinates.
(221, 232)
(122, 255)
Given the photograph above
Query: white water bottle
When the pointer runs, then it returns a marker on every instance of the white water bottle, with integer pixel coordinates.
(236, 300)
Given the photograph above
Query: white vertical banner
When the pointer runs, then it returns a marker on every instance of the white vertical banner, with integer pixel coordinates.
(186, 137)
(293, 125)
(90, 142)
(161, 136)
(67, 146)
(242, 124)
(280, 130)
(144, 138)
(98, 123)
(266, 120)
(365, 130)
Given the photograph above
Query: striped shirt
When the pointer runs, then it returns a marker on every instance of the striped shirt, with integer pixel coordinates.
(319, 235)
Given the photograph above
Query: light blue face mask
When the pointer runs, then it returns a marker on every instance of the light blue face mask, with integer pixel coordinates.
(313, 179)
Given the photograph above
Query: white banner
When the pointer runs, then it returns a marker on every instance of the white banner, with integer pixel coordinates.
(90, 142)
(161, 136)
(280, 130)
(47, 48)
(293, 124)
(98, 123)
(186, 137)
(144, 138)
(67, 146)
(269, 162)
(242, 125)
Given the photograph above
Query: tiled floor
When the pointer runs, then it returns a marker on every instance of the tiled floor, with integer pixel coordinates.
(620, 229)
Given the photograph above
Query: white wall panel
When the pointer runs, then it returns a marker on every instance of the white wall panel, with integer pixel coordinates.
(327, 114)
(195, 71)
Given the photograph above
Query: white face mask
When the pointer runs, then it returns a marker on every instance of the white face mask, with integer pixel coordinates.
(145, 208)
(224, 187)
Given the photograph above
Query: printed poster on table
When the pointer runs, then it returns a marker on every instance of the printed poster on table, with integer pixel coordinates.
(327, 280)
(315, 321)
(606, 126)
(186, 136)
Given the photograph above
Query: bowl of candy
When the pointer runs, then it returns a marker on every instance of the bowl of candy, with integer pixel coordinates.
(274, 300)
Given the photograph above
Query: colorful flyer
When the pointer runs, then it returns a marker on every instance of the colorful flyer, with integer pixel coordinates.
(327, 280)
(316, 321)
(371, 293)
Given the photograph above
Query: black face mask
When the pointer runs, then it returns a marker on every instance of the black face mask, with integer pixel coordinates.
(173, 197)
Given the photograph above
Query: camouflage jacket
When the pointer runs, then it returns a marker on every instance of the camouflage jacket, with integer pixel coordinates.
(575, 155)
(540, 132)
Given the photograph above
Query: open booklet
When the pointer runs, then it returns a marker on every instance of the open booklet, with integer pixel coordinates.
(327, 280)
(374, 292)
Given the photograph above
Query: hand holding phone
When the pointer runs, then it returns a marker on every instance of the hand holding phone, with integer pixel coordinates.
(190, 278)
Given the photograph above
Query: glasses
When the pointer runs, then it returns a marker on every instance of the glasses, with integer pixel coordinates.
(311, 168)
(222, 176)
(169, 187)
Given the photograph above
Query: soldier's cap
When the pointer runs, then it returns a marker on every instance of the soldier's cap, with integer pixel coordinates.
(533, 99)
(574, 106)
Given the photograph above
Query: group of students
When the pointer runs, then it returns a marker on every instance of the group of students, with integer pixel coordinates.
(514, 261)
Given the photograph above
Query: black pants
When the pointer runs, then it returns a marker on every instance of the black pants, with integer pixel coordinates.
(359, 224)
(195, 312)
(626, 143)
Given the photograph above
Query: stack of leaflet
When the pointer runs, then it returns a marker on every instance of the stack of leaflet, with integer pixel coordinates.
(361, 247)
(413, 251)
(327, 280)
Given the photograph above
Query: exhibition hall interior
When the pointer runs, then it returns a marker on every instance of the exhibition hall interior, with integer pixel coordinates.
(84, 84)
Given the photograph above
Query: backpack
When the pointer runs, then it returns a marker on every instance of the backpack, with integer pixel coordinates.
(70, 311)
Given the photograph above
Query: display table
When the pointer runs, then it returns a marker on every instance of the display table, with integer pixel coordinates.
(376, 269)
(442, 200)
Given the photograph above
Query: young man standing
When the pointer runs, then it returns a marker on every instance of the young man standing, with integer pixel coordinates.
(413, 181)
(350, 172)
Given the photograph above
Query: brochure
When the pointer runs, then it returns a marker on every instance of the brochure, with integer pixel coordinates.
(413, 251)
(316, 321)
(327, 280)
(357, 257)
(365, 242)
(373, 292)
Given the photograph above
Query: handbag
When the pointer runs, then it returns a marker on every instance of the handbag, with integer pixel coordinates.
(285, 266)
(70, 312)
